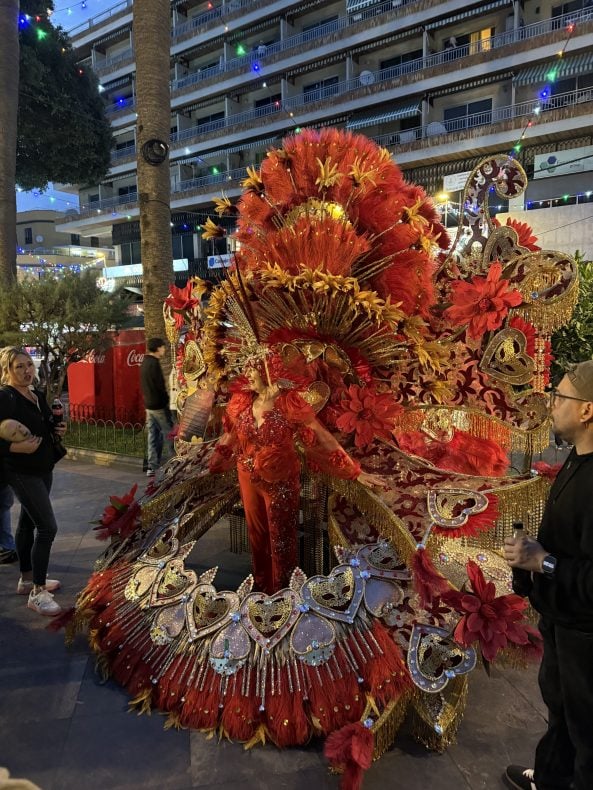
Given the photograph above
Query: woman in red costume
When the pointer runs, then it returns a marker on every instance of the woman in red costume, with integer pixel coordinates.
(262, 427)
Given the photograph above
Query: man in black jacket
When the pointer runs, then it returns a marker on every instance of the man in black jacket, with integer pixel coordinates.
(561, 565)
(156, 402)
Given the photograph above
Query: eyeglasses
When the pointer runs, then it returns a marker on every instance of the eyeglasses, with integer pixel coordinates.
(553, 394)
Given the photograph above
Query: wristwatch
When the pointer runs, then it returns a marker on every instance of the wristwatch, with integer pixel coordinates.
(549, 565)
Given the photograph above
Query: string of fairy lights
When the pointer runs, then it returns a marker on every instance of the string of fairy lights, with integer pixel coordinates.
(39, 24)
(545, 91)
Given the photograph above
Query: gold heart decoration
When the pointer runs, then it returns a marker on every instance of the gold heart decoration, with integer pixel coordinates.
(506, 358)
(268, 618)
(317, 395)
(381, 560)
(451, 508)
(434, 658)
(174, 584)
(336, 596)
(207, 610)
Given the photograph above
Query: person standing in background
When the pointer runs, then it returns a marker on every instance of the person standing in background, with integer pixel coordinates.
(560, 562)
(159, 421)
(8, 553)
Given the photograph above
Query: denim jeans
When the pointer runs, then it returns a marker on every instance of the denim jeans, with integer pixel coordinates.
(6, 502)
(37, 526)
(158, 424)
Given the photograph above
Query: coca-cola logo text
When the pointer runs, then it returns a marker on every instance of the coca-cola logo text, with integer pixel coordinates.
(135, 358)
(94, 357)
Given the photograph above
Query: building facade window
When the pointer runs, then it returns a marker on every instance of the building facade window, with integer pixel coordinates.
(74, 239)
(28, 235)
(315, 91)
(464, 116)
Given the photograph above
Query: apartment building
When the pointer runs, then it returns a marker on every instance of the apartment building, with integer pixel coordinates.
(440, 84)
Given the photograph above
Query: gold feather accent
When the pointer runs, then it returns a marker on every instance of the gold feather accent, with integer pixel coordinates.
(141, 702)
(253, 181)
(328, 174)
(212, 230)
(258, 737)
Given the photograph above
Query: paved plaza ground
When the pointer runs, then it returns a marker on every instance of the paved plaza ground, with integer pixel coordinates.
(63, 730)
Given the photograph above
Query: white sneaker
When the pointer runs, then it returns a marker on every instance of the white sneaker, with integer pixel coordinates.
(43, 603)
(25, 587)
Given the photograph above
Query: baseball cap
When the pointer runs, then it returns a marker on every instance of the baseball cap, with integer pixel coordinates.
(581, 378)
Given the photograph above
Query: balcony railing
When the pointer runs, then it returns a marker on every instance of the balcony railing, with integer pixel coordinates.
(95, 20)
(518, 111)
(73, 251)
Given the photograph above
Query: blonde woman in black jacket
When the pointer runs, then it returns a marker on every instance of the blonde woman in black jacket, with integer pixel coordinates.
(27, 468)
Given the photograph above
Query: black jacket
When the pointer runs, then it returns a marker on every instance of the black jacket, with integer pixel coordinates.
(152, 383)
(39, 421)
(566, 532)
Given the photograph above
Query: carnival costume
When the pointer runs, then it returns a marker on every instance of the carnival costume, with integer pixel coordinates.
(422, 366)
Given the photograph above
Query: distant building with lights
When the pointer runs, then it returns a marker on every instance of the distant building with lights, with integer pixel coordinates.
(42, 248)
(440, 84)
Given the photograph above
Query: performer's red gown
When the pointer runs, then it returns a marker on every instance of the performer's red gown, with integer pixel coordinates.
(269, 475)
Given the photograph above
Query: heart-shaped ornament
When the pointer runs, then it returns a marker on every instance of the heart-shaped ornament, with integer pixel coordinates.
(434, 658)
(336, 596)
(506, 358)
(207, 610)
(141, 582)
(381, 560)
(174, 584)
(268, 618)
(451, 508)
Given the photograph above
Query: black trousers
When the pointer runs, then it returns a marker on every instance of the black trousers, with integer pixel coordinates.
(564, 756)
(37, 526)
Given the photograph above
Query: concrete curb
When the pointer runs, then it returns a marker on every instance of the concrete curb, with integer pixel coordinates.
(103, 458)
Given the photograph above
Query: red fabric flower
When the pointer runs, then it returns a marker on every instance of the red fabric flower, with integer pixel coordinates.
(483, 303)
(180, 300)
(367, 414)
(490, 621)
(114, 513)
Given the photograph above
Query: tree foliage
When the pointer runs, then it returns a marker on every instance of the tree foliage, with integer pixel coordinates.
(63, 318)
(574, 342)
(63, 134)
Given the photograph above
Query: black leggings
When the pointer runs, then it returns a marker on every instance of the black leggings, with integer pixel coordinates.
(37, 526)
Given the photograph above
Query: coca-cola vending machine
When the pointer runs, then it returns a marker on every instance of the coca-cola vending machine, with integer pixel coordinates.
(90, 387)
(128, 353)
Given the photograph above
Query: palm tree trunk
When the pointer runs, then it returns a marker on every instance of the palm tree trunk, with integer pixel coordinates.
(9, 98)
(152, 39)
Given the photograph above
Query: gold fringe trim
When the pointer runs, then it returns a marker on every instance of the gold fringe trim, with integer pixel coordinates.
(436, 717)
(166, 502)
(378, 514)
(523, 501)
(476, 423)
(388, 723)
(204, 516)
